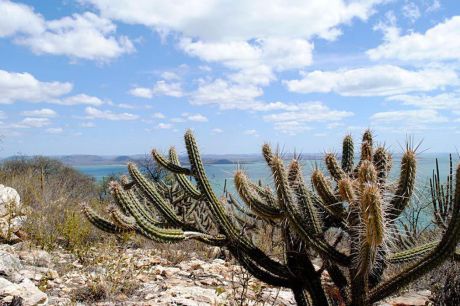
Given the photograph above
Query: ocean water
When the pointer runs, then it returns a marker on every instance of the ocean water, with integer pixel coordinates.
(221, 173)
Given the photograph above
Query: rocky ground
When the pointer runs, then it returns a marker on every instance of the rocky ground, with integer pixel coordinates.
(136, 276)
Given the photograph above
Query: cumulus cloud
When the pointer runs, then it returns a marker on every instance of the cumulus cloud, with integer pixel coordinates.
(31, 122)
(248, 44)
(411, 118)
(381, 80)
(439, 43)
(161, 88)
(25, 87)
(200, 18)
(44, 112)
(225, 94)
(86, 35)
(94, 113)
(80, 99)
(448, 101)
(196, 117)
(164, 126)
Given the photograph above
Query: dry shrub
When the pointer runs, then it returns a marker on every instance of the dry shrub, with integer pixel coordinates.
(51, 193)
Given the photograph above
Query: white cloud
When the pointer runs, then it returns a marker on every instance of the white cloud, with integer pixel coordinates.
(308, 112)
(225, 94)
(94, 113)
(379, 80)
(164, 126)
(197, 118)
(2, 115)
(86, 35)
(217, 131)
(441, 42)
(25, 87)
(170, 76)
(161, 88)
(159, 116)
(80, 99)
(31, 122)
(291, 127)
(55, 130)
(411, 11)
(228, 33)
(232, 20)
(19, 18)
(141, 92)
(409, 117)
(251, 133)
(44, 112)
(449, 101)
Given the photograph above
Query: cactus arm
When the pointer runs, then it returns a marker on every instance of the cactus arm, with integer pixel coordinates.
(382, 163)
(260, 273)
(325, 192)
(411, 254)
(348, 154)
(120, 219)
(333, 167)
(155, 233)
(309, 290)
(234, 202)
(252, 199)
(304, 198)
(100, 222)
(295, 218)
(406, 184)
(183, 180)
(221, 218)
(444, 249)
(150, 191)
(171, 166)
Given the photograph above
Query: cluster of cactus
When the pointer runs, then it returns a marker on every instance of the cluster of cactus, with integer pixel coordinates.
(355, 205)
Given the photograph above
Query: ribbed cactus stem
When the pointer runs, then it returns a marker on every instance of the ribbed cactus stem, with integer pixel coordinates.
(367, 174)
(346, 190)
(151, 192)
(101, 222)
(373, 227)
(153, 232)
(252, 198)
(294, 216)
(120, 219)
(183, 180)
(333, 167)
(382, 162)
(348, 154)
(406, 184)
(445, 248)
(324, 189)
(267, 153)
(174, 168)
(304, 198)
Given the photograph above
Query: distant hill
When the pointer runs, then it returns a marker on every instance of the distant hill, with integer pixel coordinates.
(218, 159)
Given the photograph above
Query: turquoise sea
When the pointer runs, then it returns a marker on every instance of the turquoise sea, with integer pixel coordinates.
(218, 173)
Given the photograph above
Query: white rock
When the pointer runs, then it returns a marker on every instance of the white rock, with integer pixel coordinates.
(30, 294)
(9, 200)
(9, 265)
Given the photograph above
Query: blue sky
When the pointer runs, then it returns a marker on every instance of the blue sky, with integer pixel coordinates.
(120, 77)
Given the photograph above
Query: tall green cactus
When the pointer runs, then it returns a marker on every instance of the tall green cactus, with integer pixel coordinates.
(354, 202)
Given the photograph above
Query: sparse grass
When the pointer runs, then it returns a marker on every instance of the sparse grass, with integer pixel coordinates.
(51, 193)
